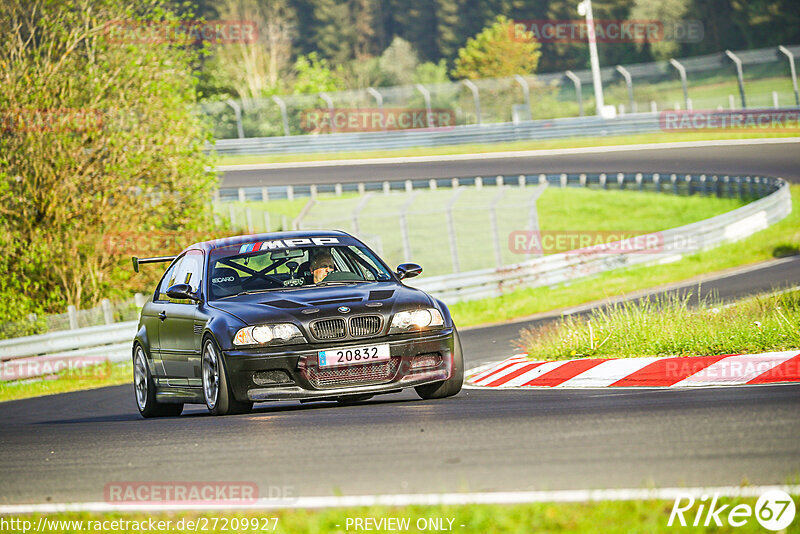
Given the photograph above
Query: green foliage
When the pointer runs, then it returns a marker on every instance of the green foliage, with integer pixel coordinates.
(430, 72)
(399, 61)
(671, 326)
(500, 50)
(314, 75)
(100, 140)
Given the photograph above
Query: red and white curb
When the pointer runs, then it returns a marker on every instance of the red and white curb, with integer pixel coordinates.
(726, 370)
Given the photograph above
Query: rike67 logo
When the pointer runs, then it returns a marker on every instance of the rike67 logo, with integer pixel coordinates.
(774, 510)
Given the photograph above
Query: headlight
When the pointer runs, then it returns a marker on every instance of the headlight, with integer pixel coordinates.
(275, 334)
(405, 321)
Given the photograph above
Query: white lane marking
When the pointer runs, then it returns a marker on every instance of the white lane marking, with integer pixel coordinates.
(608, 372)
(736, 369)
(536, 372)
(506, 155)
(423, 499)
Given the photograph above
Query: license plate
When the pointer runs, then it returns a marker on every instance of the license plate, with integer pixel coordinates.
(354, 355)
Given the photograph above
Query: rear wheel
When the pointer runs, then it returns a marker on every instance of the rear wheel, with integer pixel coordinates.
(216, 388)
(451, 386)
(145, 389)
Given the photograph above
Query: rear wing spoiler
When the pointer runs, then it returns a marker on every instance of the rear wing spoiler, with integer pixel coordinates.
(138, 261)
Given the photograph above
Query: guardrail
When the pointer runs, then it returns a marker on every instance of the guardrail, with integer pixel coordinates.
(486, 133)
(659, 247)
(33, 356)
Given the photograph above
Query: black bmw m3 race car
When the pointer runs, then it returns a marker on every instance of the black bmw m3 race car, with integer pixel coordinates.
(293, 315)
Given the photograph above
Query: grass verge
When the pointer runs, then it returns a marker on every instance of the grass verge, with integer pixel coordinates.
(607, 517)
(575, 142)
(662, 326)
(93, 377)
(780, 239)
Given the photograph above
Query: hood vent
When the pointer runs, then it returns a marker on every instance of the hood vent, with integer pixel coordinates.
(284, 304)
(335, 301)
(381, 294)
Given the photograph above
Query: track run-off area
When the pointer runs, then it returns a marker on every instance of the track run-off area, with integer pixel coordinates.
(70, 447)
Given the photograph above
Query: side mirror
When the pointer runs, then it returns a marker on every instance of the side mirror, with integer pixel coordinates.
(408, 270)
(181, 291)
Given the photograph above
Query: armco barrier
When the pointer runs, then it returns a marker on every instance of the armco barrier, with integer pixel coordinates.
(560, 128)
(572, 265)
(487, 133)
(113, 342)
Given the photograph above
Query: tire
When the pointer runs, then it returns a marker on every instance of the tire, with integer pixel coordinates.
(216, 388)
(144, 389)
(451, 386)
(348, 400)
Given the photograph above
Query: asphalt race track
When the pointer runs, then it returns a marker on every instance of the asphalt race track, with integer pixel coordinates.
(780, 159)
(66, 448)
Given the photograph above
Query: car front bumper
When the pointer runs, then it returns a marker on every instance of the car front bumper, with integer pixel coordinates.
(305, 380)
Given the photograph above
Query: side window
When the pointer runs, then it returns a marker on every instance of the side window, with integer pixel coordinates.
(190, 270)
(168, 280)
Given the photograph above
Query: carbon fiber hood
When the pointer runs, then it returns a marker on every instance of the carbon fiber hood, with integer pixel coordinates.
(304, 305)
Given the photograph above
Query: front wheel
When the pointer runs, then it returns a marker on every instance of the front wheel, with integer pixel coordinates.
(145, 389)
(451, 386)
(216, 388)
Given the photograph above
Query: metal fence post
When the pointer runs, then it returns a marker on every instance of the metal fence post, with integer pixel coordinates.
(533, 215)
(498, 254)
(629, 82)
(108, 313)
(674, 179)
(577, 82)
(790, 56)
(379, 100)
(264, 194)
(302, 215)
(451, 228)
(682, 71)
(404, 226)
(475, 98)
(329, 102)
(357, 211)
(432, 184)
(249, 214)
(72, 314)
(657, 182)
(237, 110)
(739, 75)
(242, 194)
(427, 96)
(267, 223)
(526, 91)
(284, 114)
(290, 192)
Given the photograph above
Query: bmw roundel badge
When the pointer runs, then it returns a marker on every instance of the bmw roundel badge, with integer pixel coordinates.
(344, 309)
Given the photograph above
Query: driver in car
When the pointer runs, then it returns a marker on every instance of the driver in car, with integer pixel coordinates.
(321, 265)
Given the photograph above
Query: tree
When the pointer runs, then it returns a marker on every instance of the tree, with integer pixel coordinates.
(669, 13)
(399, 61)
(252, 69)
(314, 75)
(500, 50)
(100, 141)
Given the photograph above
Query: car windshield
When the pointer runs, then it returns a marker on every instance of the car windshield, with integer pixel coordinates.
(274, 266)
